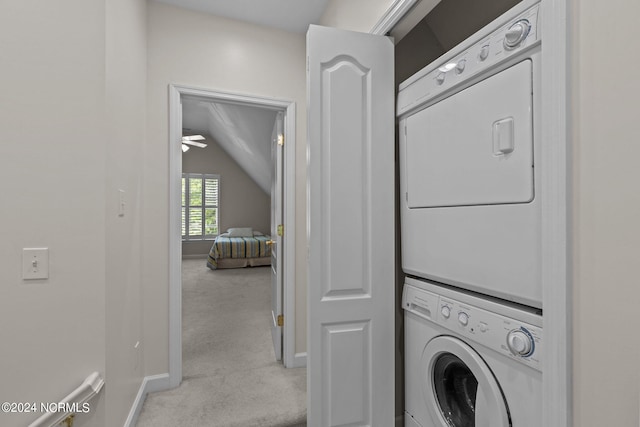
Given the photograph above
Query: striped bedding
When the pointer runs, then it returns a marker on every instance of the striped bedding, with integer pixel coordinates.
(238, 247)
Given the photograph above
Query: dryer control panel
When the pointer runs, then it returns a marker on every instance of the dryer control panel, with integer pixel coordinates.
(469, 60)
(514, 338)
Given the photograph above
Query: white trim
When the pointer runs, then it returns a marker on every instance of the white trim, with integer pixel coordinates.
(197, 256)
(289, 252)
(299, 360)
(149, 384)
(557, 406)
(175, 236)
(175, 240)
(394, 14)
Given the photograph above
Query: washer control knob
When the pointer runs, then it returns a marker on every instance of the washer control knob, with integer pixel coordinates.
(446, 311)
(463, 318)
(440, 78)
(460, 66)
(520, 343)
(516, 33)
(484, 52)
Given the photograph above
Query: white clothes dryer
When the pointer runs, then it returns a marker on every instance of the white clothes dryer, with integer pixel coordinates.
(470, 160)
(470, 361)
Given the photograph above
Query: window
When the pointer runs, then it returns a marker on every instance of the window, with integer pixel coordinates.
(200, 195)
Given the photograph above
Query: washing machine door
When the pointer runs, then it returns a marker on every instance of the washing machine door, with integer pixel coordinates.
(460, 390)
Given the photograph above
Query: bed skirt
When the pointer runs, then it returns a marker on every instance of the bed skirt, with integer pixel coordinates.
(242, 262)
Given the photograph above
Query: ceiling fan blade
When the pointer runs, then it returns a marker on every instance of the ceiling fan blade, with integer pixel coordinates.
(193, 138)
(195, 144)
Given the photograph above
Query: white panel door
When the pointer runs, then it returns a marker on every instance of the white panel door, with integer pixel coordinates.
(350, 229)
(276, 241)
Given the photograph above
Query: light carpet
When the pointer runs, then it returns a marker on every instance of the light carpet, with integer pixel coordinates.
(230, 375)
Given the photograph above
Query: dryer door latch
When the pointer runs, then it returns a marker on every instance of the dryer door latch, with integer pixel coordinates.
(503, 136)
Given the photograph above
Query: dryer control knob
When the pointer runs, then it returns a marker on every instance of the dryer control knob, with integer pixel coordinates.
(446, 311)
(460, 66)
(516, 33)
(440, 78)
(519, 342)
(484, 52)
(463, 318)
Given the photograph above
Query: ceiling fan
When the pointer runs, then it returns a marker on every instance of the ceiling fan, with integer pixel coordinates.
(192, 140)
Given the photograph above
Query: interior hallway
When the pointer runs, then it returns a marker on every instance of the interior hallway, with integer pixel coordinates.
(230, 375)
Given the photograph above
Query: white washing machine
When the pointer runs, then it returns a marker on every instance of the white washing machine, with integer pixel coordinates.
(470, 361)
(470, 160)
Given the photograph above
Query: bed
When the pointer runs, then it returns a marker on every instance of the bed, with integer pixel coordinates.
(239, 247)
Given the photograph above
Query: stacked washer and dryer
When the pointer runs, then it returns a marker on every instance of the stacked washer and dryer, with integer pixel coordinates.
(471, 228)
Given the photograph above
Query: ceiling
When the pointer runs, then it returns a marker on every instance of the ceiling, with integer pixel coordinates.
(243, 132)
(289, 15)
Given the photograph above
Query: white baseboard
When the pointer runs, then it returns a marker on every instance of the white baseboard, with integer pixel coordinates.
(149, 384)
(195, 256)
(299, 360)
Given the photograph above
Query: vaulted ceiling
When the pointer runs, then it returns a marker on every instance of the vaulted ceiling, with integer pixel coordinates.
(243, 132)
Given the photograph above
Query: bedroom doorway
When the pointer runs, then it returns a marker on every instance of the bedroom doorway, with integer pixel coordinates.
(281, 108)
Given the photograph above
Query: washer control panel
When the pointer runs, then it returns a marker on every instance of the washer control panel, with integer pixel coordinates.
(513, 338)
(516, 35)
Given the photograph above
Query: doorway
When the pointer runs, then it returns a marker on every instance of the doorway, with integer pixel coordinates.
(176, 95)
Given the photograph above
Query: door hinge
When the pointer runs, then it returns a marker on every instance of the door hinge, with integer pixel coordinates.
(280, 139)
(281, 320)
(280, 230)
(68, 422)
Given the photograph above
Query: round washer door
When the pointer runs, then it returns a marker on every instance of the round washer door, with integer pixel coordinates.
(460, 390)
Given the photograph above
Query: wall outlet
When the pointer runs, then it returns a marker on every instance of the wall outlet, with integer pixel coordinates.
(35, 263)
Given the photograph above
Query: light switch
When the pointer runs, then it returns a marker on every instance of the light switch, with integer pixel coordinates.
(121, 202)
(35, 263)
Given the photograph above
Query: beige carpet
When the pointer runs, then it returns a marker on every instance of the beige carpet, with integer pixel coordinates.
(230, 376)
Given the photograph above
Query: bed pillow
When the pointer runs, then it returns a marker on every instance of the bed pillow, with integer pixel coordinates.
(257, 233)
(240, 232)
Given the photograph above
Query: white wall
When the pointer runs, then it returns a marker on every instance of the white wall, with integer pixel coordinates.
(126, 73)
(209, 52)
(52, 181)
(607, 211)
(354, 15)
(73, 111)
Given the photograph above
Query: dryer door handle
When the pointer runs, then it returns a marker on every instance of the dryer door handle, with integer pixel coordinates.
(503, 138)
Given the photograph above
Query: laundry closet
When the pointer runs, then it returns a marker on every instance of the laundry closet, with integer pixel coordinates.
(465, 172)
(468, 149)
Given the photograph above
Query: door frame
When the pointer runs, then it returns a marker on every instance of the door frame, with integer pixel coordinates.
(557, 221)
(176, 92)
